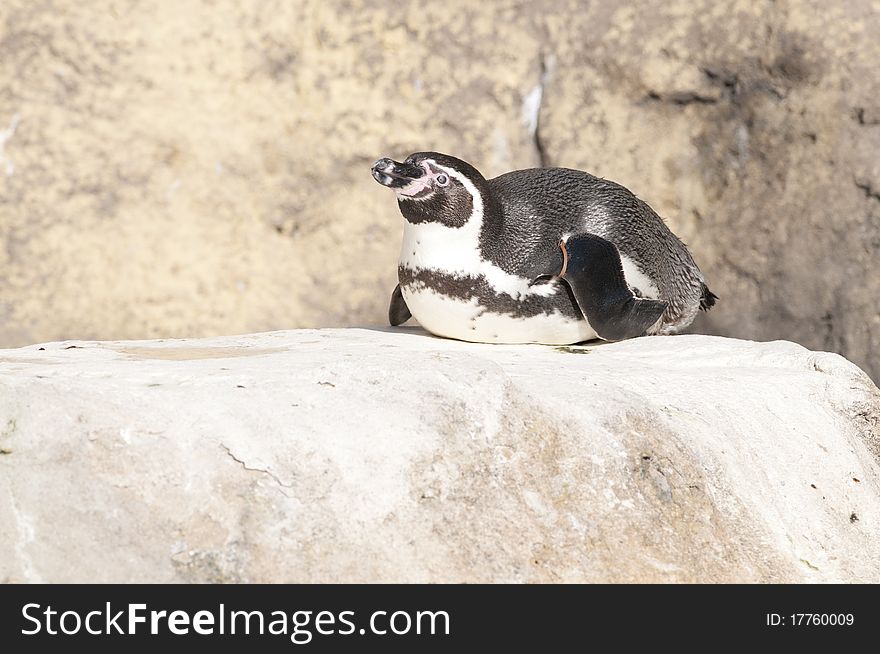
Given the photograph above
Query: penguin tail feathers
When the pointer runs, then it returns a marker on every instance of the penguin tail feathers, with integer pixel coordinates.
(707, 299)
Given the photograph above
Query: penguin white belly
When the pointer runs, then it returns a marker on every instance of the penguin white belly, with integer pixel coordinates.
(454, 292)
(467, 320)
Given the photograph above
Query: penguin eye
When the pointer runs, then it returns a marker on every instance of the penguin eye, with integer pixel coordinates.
(442, 180)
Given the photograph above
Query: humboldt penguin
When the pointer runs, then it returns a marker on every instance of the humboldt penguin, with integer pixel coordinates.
(543, 255)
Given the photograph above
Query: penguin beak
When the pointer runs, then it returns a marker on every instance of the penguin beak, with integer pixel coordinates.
(396, 175)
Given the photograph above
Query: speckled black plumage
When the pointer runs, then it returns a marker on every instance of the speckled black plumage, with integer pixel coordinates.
(540, 203)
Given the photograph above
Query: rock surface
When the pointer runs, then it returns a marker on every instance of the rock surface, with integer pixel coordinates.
(199, 168)
(365, 455)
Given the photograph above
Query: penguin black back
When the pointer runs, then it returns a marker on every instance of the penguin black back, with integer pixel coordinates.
(550, 200)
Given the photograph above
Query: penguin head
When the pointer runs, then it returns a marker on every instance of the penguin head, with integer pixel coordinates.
(434, 187)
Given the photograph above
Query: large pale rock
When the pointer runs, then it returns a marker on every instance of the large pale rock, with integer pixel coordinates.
(197, 168)
(365, 455)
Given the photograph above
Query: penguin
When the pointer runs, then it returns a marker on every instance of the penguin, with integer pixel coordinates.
(542, 255)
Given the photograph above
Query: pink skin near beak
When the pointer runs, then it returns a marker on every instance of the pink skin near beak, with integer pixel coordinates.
(418, 185)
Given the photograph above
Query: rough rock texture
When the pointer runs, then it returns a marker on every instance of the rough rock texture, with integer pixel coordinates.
(361, 455)
(201, 167)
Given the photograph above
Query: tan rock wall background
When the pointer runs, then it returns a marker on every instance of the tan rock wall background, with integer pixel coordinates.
(199, 167)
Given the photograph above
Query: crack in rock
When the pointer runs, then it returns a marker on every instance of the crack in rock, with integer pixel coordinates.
(865, 118)
(26, 535)
(682, 99)
(532, 104)
(868, 188)
(264, 471)
(5, 135)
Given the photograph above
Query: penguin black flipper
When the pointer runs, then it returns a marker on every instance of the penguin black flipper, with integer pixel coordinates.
(594, 272)
(398, 312)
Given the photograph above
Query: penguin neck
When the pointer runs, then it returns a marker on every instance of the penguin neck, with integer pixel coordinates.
(492, 225)
(438, 246)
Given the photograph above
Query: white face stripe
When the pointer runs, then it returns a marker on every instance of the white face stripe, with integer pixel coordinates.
(477, 214)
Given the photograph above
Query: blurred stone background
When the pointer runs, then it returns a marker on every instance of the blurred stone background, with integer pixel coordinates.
(200, 167)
